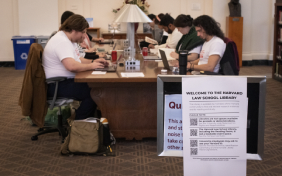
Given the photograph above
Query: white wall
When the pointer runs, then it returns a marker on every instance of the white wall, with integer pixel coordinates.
(8, 28)
(19, 17)
(258, 26)
(38, 17)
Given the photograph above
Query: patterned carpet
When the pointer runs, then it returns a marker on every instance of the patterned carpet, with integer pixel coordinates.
(21, 157)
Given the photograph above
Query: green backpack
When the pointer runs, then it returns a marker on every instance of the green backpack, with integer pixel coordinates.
(51, 118)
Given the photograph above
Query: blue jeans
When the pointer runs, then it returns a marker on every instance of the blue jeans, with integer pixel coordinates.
(76, 91)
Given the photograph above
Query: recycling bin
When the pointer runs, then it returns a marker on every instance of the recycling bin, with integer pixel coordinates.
(21, 46)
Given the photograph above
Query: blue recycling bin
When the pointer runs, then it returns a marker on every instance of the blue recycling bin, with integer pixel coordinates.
(21, 48)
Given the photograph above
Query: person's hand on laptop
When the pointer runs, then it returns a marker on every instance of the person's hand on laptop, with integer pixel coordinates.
(102, 61)
(151, 46)
(174, 55)
(97, 65)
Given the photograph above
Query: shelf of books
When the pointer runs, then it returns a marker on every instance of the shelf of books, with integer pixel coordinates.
(277, 47)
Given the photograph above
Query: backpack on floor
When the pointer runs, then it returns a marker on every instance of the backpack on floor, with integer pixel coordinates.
(87, 137)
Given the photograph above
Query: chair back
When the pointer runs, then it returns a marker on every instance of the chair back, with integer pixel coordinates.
(229, 64)
(33, 93)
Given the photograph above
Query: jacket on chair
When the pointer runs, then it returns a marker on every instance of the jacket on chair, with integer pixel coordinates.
(33, 95)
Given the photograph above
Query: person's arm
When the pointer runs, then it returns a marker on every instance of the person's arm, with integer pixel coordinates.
(85, 61)
(88, 61)
(157, 46)
(93, 49)
(74, 66)
(97, 39)
(193, 57)
(212, 62)
(195, 62)
(194, 53)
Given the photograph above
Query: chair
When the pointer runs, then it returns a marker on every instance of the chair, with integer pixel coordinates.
(229, 64)
(55, 102)
(33, 94)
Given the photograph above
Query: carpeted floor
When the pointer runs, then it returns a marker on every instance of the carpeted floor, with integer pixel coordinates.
(21, 156)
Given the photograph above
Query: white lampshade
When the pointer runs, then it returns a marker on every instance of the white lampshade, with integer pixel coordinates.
(131, 14)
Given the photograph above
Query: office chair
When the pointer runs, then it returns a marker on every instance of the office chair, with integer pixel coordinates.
(55, 102)
(35, 75)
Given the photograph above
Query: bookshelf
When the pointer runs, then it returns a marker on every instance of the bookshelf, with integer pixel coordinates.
(277, 46)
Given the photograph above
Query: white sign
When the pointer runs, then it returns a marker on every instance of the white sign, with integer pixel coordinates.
(132, 74)
(214, 126)
(23, 41)
(173, 136)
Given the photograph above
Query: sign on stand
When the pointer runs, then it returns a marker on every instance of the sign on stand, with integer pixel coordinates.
(214, 116)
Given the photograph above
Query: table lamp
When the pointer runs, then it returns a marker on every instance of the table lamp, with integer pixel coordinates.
(130, 14)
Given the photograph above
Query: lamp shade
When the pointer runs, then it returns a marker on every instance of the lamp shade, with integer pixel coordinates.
(131, 13)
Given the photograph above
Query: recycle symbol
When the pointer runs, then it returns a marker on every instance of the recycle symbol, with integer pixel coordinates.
(24, 56)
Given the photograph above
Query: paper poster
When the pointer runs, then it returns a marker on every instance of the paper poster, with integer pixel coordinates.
(214, 126)
(173, 136)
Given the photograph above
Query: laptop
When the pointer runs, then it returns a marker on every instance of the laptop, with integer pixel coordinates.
(164, 59)
(110, 68)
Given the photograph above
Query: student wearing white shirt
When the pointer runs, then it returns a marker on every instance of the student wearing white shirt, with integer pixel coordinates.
(61, 58)
(174, 35)
(213, 48)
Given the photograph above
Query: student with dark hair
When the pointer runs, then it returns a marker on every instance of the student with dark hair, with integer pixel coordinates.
(172, 40)
(61, 58)
(213, 48)
(164, 34)
(189, 41)
(156, 31)
(65, 16)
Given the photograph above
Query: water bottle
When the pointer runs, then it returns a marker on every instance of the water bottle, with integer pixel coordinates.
(183, 62)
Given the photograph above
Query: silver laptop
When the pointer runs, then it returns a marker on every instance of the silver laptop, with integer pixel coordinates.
(164, 59)
(111, 68)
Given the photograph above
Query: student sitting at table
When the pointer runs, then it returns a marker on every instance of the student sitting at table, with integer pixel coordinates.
(213, 48)
(164, 33)
(61, 58)
(174, 35)
(156, 31)
(189, 41)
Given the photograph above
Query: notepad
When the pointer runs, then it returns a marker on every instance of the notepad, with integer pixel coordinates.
(167, 53)
(132, 74)
(99, 72)
(166, 50)
(150, 40)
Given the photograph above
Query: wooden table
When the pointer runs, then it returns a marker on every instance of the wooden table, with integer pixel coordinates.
(129, 104)
(97, 30)
(123, 35)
